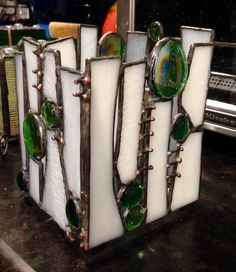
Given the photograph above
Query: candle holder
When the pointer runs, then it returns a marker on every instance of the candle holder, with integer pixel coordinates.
(112, 143)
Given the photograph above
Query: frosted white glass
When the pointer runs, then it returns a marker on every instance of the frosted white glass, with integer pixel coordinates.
(88, 46)
(186, 188)
(195, 92)
(54, 198)
(20, 104)
(157, 185)
(136, 46)
(191, 35)
(31, 64)
(67, 50)
(71, 117)
(34, 180)
(49, 77)
(105, 223)
(134, 77)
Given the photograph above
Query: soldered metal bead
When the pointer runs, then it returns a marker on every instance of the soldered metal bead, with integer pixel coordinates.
(83, 235)
(70, 236)
(42, 56)
(150, 108)
(76, 94)
(148, 134)
(169, 153)
(83, 81)
(38, 87)
(85, 97)
(35, 71)
(178, 160)
(59, 139)
(147, 150)
(147, 121)
(84, 245)
(40, 73)
(139, 171)
(177, 174)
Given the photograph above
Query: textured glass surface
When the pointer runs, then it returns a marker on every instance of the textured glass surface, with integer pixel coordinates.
(180, 128)
(33, 136)
(168, 69)
(112, 44)
(154, 31)
(132, 195)
(71, 213)
(50, 114)
(134, 218)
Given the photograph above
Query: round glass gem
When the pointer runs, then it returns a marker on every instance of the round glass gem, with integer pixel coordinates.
(168, 69)
(112, 44)
(155, 31)
(132, 195)
(21, 181)
(134, 218)
(50, 114)
(180, 129)
(34, 136)
(71, 213)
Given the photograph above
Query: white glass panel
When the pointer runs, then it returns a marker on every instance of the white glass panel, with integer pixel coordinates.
(191, 35)
(31, 64)
(136, 46)
(195, 92)
(134, 77)
(67, 50)
(49, 77)
(71, 115)
(88, 46)
(105, 223)
(54, 199)
(186, 188)
(34, 180)
(157, 185)
(20, 104)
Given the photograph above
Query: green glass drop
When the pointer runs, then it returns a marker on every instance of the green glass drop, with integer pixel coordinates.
(134, 218)
(21, 182)
(155, 31)
(71, 213)
(180, 129)
(168, 69)
(50, 115)
(112, 44)
(34, 136)
(132, 195)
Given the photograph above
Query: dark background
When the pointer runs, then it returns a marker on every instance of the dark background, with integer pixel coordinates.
(78, 11)
(219, 15)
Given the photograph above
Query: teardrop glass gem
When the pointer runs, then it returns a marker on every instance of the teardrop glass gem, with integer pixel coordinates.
(134, 218)
(112, 44)
(21, 182)
(132, 195)
(71, 213)
(155, 31)
(34, 136)
(168, 69)
(50, 114)
(180, 129)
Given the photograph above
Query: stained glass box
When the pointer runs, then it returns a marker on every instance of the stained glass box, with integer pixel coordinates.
(111, 136)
